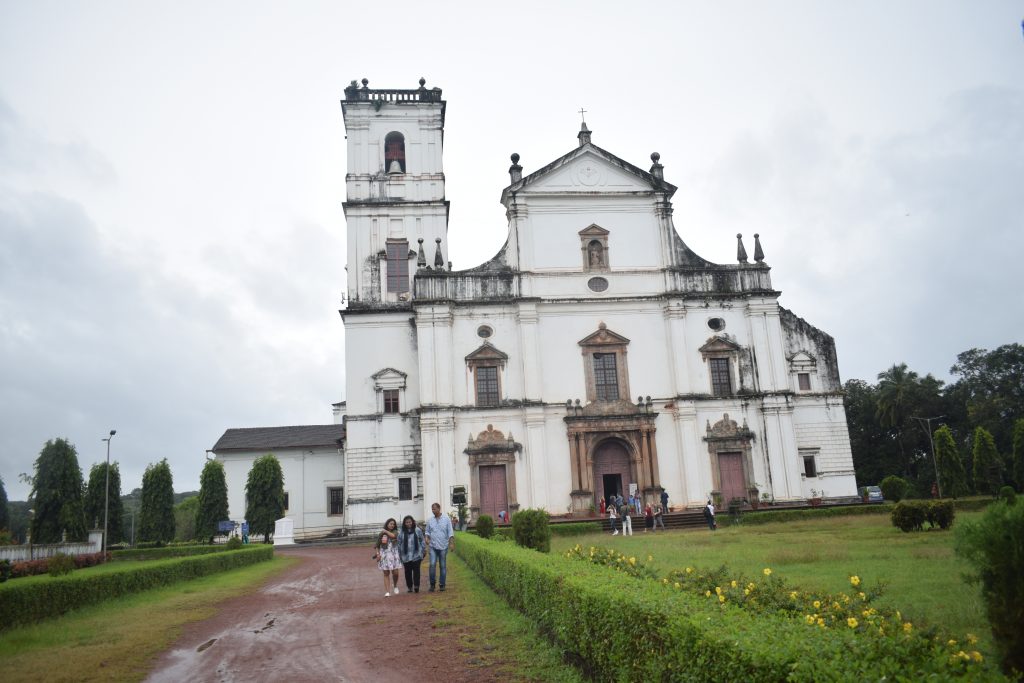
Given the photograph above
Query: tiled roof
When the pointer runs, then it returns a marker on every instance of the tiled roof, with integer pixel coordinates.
(269, 438)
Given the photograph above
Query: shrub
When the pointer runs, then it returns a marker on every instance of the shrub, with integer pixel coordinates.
(531, 530)
(485, 526)
(234, 543)
(166, 553)
(686, 637)
(27, 601)
(60, 564)
(5, 570)
(1008, 494)
(894, 488)
(768, 516)
(940, 513)
(994, 545)
(909, 516)
(42, 566)
(142, 545)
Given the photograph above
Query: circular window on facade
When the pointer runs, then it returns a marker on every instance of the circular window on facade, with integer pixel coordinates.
(597, 284)
(484, 331)
(717, 324)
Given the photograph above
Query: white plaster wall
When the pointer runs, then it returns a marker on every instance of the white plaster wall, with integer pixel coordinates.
(374, 342)
(307, 475)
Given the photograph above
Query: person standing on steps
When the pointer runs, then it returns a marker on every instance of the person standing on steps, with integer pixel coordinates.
(411, 548)
(625, 512)
(440, 539)
(611, 520)
(664, 500)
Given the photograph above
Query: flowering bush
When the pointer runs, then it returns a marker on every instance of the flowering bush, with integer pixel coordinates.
(768, 593)
(34, 567)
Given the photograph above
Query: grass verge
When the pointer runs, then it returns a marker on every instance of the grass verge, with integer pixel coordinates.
(496, 638)
(118, 640)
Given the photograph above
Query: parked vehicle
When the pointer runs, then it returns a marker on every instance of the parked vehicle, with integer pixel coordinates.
(874, 494)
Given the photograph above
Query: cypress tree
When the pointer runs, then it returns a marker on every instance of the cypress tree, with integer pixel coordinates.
(988, 467)
(5, 517)
(156, 520)
(951, 467)
(94, 501)
(57, 494)
(213, 500)
(264, 496)
(1018, 454)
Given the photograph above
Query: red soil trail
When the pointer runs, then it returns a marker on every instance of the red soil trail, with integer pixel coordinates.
(324, 619)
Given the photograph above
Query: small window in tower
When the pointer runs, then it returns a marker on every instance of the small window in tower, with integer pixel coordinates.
(394, 153)
(405, 488)
(804, 378)
(488, 392)
(606, 377)
(398, 266)
(391, 406)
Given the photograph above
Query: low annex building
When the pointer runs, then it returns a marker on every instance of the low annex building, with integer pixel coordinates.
(594, 354)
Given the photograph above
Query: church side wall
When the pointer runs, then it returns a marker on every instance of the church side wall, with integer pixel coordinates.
(821, 432)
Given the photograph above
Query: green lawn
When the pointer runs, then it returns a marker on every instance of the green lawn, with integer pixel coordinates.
(922, 575)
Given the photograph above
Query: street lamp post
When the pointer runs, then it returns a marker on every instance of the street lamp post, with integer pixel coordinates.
(106, 493)
(931, 442)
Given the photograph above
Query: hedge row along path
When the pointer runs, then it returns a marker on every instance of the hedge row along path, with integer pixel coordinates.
(326, 618)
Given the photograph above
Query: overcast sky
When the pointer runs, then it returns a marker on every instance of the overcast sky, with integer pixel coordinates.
(171, 175)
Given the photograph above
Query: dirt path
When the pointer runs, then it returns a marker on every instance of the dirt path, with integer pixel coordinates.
(324, 619)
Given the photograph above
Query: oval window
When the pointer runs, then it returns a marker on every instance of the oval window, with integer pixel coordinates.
(597, 284)
(484, 331)
(717, 324)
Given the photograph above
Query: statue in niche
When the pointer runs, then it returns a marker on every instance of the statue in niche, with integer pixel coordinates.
(595, 254)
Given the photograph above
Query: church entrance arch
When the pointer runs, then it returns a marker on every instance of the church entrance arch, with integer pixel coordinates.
(611, 470)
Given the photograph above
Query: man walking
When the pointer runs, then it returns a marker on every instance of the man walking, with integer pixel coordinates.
(440, 539)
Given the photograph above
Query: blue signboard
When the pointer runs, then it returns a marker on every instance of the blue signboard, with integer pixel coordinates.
(226, 527)
(245, 528)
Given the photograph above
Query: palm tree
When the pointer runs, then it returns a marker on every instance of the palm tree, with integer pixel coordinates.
(897, 388)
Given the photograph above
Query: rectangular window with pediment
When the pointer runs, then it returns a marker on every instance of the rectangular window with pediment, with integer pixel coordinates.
(487, 390)
(606, 377)
(721, 379)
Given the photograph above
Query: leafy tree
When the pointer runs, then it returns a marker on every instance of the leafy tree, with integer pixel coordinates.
(5, 515)
(264, 496)
(57, 494)
(873, 451)
(156, 521)
(1018, 454)
(185, 519)
(94, 503)
(993, 385)
(212, 500)
(988, 467)
(952, 476)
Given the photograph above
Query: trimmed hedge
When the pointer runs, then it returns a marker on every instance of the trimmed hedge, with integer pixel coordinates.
(166, 552)
(566, 529)
(669, 635)
(768, 516)
(31, 599)
(910, 515)
(25, 568)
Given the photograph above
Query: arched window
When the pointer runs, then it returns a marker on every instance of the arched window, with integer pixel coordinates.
(394, 153)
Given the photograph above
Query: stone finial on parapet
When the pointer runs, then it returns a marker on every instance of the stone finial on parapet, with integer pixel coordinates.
(657, 170)
(758, 252)
(515, 171)
(741, 253)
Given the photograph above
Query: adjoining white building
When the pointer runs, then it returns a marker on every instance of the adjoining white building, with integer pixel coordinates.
(594, 353)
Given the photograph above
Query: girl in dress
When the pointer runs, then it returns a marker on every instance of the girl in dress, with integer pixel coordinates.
(388, 560)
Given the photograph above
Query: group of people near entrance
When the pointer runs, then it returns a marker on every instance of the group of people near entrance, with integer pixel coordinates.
(623, 509)
(407, 546)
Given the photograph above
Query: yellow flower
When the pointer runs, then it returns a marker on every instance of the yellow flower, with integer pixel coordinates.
(650, 557)
(835, 606)
(846, 598)
(907, 627)
(718, 590)
(976, 656)
(733, 583)
(971, 638)
(851, 622)
(855, 581)
(665, 581)
(689, 570)
(862, 596)
(707, 594)
(721, 598)
(767, 571)
(817, 604)
(677, 585)
(951, 643)
(809, 618)
(792, 595)
(746, 591)
(821, 622)
(632, 561)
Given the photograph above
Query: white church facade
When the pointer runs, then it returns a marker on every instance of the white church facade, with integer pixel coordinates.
(594, 354)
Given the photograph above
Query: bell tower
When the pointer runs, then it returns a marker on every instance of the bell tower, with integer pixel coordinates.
(395, 206)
